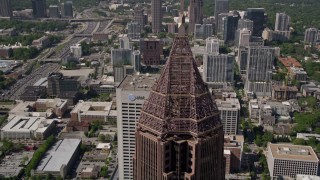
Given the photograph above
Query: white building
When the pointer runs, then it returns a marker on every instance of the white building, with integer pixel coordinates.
(286, 160)
(22, 127)
(131, 94)
(76, 50)
(218, 70)
(229, 114)
(212, 45)
(259, 70)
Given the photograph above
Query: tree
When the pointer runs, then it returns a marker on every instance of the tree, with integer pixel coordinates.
(102, 137)
(299, 141)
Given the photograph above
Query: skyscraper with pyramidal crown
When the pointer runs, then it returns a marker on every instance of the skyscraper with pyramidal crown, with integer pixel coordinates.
(179, 134)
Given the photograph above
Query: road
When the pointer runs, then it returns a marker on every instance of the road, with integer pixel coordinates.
(19, 87)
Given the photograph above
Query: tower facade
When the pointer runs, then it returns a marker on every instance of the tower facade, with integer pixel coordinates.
(179, 134)
(196, 14)
(259, 18)
(282, 22)
(39, 8)
(221, 6)
(156, 13)
(6, 8)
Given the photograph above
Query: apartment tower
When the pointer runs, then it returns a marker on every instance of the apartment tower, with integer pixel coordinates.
(179, 134)
(196, 14)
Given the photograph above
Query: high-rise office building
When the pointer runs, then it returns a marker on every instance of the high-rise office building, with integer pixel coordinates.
(39, 9)
(230, 24)
(218, 70)
(282, 22)
(5, 8)
(259, 18)
(54, 11)
(196, 14)
(136, 60)
(124, 42)
(220, 24)
(221, 6)
(121, 57)
(179, 134)
(203, 31)
(139, 17)
(156, 15)
(131, 94)
(242, 37)
(311, 35)
(212, 45)
(67, 9)
(285, 161)
(151, 51)
(243, 59)
(259, 70)
(134, 30)
(229, 114)
(58, 84)
(245, 24)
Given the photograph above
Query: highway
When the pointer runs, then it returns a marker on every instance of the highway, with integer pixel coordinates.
(19, 87)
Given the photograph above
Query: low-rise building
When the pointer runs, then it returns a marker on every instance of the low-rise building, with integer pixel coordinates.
(307, 177)
(286, 160)
(5, 51)
(307, 136)
(91, 111)
(32, 93)
(21, 127)
(290, 62)
(60, 158)
(42, 42)
(90, 172)
(311, 89)
(298, 74)
(281, 93)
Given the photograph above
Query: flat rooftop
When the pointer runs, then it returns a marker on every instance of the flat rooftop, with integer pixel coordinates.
(293, 152)
(94, 108)
(25, 124)
(139, 82)
(59, 154)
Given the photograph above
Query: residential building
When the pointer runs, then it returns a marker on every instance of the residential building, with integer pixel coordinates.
(311, 35)
(24, 127)
(59, 84)
(203, 31)
(90, 111)
(67, 9)
(131, 95)
(171, 129)
(311, 89)
(151, 51)
(289, 62)
(6, 8)
(134, 30)
(245, 24)
(282, 22)
(76, 50)
(195, 14)
(54, 11)
(259, 18)
(212, 45)
(42, 42)
(39, 9)
(139, 17)
(60, 158)
(271, 35)
(259, 70)
(218, 70)
(156, 15)
(90, 172)
(234, 144)
(286, 160)
(229, 109)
